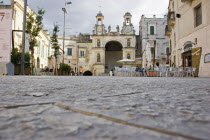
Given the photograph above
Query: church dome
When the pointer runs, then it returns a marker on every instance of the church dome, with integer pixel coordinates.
(127, 14)
(99, 14)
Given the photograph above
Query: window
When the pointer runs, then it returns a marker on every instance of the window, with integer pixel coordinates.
(99, 21)
(167, 51)
(152, 51)
(127, 21)
(42, 54)
(38, 48)
(198, 15)
(82, 53)
(98, 57)
(98, 43)
(152, 30)
(69, 51)
(128, 56)
(128, 42)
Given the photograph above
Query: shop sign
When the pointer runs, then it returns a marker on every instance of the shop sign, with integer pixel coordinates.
(207, 58)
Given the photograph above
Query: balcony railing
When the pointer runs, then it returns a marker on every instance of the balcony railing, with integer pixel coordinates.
(186, 1)
(171, 18)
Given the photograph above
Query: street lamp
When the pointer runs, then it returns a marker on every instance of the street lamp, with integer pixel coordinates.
(23, 39)
(64, 26)
(154, 55)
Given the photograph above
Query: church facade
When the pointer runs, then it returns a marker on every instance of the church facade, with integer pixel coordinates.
(106, 48)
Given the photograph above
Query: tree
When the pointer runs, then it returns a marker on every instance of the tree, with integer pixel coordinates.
(16, 58)
(33, 27)
(65, 68)
(55, 45)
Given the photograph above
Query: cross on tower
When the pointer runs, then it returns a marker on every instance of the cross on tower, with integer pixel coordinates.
(100, 1)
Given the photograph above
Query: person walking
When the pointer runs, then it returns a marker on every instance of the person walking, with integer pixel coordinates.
(80, 71)
(137, 71)
(111, 72)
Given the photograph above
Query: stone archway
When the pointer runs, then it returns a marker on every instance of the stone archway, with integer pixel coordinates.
(113, 53)
(88, 73)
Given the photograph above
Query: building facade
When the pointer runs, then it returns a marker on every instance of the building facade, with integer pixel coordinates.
(188, 29)
(43, 50)
(99, 53)
(152, 31)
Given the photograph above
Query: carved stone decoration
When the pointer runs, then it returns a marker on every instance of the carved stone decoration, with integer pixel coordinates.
(109, 29)
(118, 28)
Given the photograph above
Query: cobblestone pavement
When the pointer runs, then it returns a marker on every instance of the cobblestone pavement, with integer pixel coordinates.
(27, 112)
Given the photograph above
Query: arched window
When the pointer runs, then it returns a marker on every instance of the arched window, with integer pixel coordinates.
(98, 57)
(128, 56)
(99, 21)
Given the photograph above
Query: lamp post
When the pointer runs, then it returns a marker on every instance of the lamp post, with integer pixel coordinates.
(23, 39)
(154, 55)
(64, 26)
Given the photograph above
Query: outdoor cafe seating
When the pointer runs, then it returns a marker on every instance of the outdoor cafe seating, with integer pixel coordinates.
(163, 71)
(176, 71)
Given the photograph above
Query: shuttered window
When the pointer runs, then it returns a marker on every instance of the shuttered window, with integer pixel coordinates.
(82, 53)
(69, 51)
(198, 15)
(167, 51)
(152, 30)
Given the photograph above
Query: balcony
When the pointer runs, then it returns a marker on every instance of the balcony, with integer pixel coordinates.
(167, 31)
(186, 1)
(171, 19)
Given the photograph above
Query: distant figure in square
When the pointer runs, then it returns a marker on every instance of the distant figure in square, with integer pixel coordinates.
(111, 72)
(137, 71)
(80, 71)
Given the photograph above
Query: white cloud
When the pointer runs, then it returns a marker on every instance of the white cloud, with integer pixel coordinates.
(81, 15)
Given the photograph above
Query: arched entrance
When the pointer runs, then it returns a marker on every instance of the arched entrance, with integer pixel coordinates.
(88, 73)
(187, 54)
(113, 54)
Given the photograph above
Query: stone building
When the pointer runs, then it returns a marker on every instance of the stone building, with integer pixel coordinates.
(43, 50)
(98, 53)
(151, 30)
(111, 46)
(188, 29)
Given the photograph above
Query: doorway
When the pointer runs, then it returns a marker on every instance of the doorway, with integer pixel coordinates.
(113, 54)
(187, 59)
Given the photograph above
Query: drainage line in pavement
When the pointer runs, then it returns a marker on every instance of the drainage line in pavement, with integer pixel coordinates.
(122, 94)
(25, 105)
(127, 123)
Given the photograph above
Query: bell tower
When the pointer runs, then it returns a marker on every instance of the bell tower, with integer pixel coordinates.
(99, 28)
(127, 25)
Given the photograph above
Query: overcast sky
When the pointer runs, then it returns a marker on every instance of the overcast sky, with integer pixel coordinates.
(81, 13)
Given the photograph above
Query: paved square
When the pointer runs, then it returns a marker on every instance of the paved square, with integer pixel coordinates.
(27, 109)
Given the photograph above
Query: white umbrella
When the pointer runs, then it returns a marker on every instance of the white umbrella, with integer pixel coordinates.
(125, 60)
